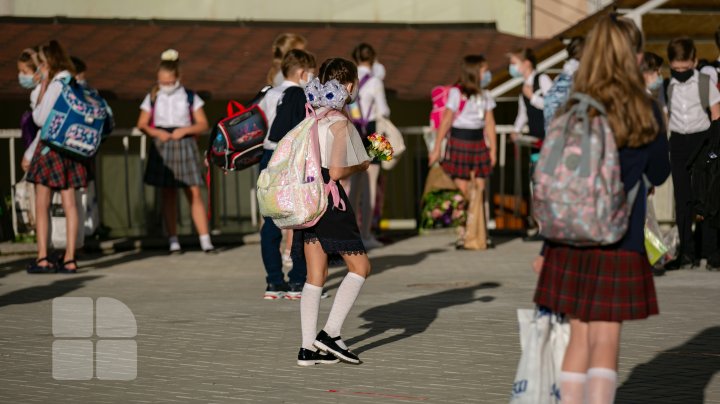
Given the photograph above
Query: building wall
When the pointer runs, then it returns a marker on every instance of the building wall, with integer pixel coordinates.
(509, 15)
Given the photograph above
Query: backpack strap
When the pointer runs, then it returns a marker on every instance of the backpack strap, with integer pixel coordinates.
(191, 102)
(580, 111)
(536, 82)
(704, 88)
(331, 187)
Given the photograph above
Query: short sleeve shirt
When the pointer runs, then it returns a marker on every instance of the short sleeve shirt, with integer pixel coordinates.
(172, 110)
(472, 115)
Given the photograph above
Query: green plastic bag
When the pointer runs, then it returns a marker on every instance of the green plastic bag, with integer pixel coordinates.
(654, 243)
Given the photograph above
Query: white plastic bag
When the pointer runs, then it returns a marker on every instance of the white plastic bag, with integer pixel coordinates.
(58, 224)
(24, 205)
(543, 338)
(655, 246)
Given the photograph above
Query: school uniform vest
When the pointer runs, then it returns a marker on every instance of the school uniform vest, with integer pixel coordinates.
(536, 118)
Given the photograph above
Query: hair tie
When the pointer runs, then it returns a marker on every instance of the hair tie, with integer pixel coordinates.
(170, 55)
(331, 94)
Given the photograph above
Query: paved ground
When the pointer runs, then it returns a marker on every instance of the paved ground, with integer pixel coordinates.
(432, 325)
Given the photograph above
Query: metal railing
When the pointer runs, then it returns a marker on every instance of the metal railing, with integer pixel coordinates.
(231, 190)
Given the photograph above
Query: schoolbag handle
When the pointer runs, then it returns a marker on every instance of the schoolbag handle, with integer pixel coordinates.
(232, 106)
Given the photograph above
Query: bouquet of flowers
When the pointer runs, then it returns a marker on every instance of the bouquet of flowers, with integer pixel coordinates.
(443, 208)
(380, 148)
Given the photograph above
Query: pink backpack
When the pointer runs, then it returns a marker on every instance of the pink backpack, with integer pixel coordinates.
(578, 194)
(291, 190)
(439, 100)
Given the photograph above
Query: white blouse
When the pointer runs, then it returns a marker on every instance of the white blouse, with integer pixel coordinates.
(472, 115)
(172, 110)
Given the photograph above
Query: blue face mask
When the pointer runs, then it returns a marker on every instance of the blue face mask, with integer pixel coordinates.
(656, 84)
(514, 71)
(27, 81)
(486, 79)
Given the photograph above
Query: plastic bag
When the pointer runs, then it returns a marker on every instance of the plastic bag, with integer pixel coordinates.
(654, 241)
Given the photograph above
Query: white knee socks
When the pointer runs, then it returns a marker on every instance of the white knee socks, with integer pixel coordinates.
(572, 387)
(601, 386)
(309, 307)
(344, 300)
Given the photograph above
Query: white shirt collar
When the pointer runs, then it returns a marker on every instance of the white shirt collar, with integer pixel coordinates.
(363, 70)
(531, 78)
(288, 83)
(62, 74)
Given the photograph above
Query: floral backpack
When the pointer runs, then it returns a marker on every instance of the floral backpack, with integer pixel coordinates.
(578, 194)
(291, 190)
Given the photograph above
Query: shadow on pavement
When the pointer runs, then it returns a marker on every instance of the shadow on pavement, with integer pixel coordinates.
(413, 316)
(41, 293)
(677, 375)
(383, 263)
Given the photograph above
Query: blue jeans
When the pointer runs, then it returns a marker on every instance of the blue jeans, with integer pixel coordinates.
(270, 240)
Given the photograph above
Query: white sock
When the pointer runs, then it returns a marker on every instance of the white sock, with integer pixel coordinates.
(205, 242)
(601, 386)
(309, 308)
(344, 300)
(174, 243)
(572, 387)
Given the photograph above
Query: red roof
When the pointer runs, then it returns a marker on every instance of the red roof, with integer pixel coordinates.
(231, 60)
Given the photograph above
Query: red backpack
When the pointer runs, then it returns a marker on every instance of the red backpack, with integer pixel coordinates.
(439, 96)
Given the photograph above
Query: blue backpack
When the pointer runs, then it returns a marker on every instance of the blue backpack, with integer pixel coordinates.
(79, 121)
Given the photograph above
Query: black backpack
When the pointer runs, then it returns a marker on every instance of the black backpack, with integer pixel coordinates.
(704, 167)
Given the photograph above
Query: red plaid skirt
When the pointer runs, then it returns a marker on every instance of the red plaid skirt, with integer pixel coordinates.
(57, 171)
(463, 156)
(593, 284)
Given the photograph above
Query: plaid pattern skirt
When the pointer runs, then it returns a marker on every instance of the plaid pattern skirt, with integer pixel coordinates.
(54, 170)
(174, 164)
(466, 152)
(593, 284)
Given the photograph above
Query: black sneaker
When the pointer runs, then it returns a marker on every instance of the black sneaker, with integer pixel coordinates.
(713, 265)
(326, 343)
(681, 262)
(307, 357)
(275, 291)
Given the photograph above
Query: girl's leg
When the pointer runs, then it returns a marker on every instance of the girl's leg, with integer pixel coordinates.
(574, 368)
(373, 176)
(359, 269)
(42, 220)
(317, 271)
(199, 216)
(169, 206)
(71, 219)
(604, 344)
(462, 186)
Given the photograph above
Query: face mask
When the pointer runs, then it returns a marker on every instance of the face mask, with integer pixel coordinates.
(27, 81)
(656, 84)
(169, 89)
(514, 71)
(682, 76)
(486, 79)
(353, 94)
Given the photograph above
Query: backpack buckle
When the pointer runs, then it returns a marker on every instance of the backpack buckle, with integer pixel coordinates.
(89, 120)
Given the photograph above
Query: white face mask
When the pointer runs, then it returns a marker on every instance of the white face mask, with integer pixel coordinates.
(165, 89)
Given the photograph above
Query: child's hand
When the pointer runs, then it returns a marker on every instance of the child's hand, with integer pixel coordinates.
(434, 157)
(178, 133)
(364, 166)
(25, 164)
(537, 264)
(163, 135)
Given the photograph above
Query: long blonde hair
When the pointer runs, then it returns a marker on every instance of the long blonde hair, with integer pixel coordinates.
(609, 73)
(282, 45)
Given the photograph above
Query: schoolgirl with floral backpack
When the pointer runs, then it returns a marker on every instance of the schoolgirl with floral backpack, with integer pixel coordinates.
(309, 162)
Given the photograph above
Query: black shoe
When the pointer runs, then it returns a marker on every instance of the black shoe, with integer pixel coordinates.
(276, 291)
(681, 262)
(307, 357)
(36, 268)
(713, 265)
(325, 343)
(211, 251)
